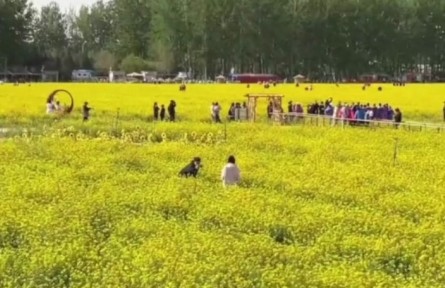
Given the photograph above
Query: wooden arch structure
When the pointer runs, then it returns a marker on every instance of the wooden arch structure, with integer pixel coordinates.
(252, 99)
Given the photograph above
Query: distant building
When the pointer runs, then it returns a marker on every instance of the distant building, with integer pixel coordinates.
(149, 76)
(254, 78)
(82, 75)
(116, 76)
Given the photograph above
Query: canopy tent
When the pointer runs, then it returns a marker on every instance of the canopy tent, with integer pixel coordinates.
(181, 77)
(220, 79)
(134, 75)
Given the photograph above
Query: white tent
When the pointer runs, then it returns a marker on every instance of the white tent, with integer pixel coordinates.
(181, 77)
(299, 76)
(134, 75)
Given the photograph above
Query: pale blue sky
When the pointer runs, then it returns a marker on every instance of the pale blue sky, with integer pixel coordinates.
(64, 4)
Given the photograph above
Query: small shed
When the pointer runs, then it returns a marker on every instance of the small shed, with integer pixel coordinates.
(299, 78)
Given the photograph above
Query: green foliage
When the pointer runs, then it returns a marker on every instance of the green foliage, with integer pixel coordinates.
(325, 40)
(104, 60)
(133, 63)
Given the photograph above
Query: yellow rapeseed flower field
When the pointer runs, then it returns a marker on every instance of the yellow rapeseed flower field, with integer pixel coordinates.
(25, 103)
(99, 204)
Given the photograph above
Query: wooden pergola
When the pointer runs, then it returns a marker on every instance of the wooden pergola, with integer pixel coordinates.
(252, 99)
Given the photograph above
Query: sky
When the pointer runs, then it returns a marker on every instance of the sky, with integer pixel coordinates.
(64, 4)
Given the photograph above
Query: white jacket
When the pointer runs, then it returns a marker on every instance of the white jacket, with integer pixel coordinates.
(230, 174)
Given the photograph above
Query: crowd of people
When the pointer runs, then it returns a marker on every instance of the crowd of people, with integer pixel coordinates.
(354, 113)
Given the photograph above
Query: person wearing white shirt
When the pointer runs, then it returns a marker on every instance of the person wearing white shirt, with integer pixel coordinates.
(49, 107)
(230, 174)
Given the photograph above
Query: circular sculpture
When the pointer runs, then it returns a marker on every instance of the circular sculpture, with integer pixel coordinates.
(67, 110)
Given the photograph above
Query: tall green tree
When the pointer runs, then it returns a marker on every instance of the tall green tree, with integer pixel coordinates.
(16, 19)
(324, 39)
(49, 32)
(132, 26)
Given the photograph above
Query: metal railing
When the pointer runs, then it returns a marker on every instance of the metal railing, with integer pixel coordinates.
(324, 120)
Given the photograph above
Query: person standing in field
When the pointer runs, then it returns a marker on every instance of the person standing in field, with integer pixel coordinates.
(269, 110)
(162, 112)
(156, 111)
(172, 110)
(231, 113)
(290, 107)
(397, 117)
(86, 111)
(216, 112)
(230, 174)
(49, 107)
(391, 113)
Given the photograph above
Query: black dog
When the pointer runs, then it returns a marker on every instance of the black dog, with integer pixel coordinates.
(191, 169)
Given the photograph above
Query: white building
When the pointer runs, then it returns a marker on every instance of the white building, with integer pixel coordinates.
(82, 75)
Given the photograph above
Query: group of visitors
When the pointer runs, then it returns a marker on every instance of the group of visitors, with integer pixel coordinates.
(230, 174)
(295, 108)
(159, 112)
(53, 106)
(238, 112)
(273, 108)
(354, 112)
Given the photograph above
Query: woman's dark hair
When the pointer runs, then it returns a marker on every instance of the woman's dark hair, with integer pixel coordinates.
(231, 159)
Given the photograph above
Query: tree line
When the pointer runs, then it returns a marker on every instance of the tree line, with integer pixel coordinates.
(321, 38)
